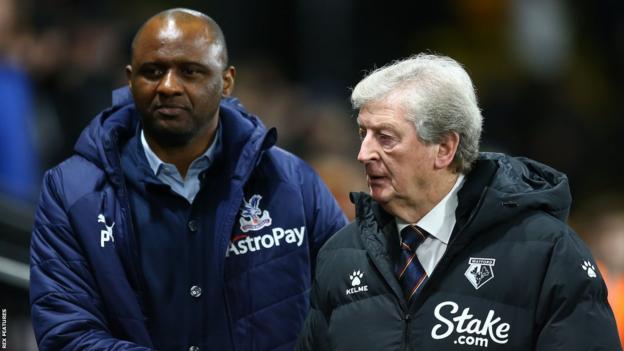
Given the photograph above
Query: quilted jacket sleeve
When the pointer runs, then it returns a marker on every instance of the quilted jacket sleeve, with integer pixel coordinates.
(573, 312)
(322, 210)
(67, 311)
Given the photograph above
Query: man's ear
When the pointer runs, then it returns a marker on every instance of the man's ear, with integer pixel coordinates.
(229, 75)
(446, 150)
(129, 75)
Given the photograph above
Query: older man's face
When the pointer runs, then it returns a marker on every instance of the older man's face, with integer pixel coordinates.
(399, 167)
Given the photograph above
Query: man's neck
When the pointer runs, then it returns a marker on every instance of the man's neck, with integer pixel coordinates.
(182, 155)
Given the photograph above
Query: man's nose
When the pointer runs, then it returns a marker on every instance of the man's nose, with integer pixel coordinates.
(170, 84)
(367, 150)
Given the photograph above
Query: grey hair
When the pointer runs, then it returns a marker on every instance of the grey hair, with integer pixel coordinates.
(438, 97)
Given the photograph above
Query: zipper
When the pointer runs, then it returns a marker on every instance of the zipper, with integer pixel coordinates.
(406, 322)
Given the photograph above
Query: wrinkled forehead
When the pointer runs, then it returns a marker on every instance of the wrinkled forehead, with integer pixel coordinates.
(388, 107)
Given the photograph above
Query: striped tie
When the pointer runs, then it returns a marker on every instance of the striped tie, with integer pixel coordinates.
(410, 272)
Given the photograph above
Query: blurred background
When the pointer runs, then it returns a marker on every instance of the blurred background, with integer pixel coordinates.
(549, 76)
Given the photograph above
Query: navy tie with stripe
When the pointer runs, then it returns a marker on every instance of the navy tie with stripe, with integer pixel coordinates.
(409, 271)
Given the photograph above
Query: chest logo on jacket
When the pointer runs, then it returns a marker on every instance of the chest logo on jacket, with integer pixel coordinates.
(469, 329)
(480, 271)
(252, 217)
(106, 235)
(244, 243)
(356, 282)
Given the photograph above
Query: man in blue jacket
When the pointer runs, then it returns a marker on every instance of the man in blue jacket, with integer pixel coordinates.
(177, 224)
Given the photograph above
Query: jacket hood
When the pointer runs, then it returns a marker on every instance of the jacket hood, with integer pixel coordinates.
(102, 139)
(518, 184)
(499, 188)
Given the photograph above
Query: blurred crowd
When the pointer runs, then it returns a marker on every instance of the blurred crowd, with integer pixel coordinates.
(53, 73)
(549, 75)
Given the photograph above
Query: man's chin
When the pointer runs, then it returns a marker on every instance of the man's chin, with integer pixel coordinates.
(380, 195)
(171, 137)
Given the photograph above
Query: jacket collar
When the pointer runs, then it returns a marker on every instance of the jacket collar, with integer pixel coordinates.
(244, 136)
(380, 238)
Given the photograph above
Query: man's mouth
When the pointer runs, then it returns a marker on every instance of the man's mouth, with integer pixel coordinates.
(375, 177)
(170, 110)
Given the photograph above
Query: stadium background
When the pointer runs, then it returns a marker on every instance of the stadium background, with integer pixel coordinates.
(549, 76)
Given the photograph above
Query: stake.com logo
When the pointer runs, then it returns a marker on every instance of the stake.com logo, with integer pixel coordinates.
(480, 333)
(242, 244)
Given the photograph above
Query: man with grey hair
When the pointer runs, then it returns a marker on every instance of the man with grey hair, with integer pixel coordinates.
(452, 249)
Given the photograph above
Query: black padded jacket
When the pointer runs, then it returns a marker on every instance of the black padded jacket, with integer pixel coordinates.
(514, 275)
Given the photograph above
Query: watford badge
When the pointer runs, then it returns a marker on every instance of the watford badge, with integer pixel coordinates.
(480, 271)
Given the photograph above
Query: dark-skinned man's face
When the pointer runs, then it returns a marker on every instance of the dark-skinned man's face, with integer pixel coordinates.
(177, 79)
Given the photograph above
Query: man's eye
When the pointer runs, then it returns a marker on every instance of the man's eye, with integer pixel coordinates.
(151, 72)
(190, 71)
(362, 133)
(386, 140)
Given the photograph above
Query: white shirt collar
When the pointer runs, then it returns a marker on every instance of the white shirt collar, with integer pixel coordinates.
(439, 222)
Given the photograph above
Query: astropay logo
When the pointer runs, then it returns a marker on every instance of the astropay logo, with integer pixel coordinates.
(244, 243)
(466, 328)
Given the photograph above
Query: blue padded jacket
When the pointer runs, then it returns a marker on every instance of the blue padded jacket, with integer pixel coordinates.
(87, 289)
